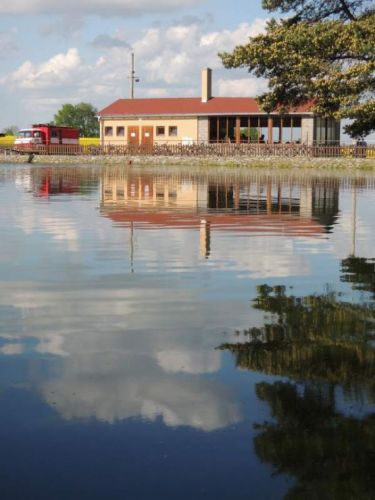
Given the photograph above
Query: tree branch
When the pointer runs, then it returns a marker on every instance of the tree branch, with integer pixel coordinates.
(347, 10)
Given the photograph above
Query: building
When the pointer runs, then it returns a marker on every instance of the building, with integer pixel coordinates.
(208, 119)
(260, 204)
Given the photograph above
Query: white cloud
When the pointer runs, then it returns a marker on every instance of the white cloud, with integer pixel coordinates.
(115, 387)
(168, 63)
(58, 70)
(241, 87)
(107, 372)
(156, 92)
(61, 229)
(89, 7)
(227, 40)
(176, 55)
(12, 349)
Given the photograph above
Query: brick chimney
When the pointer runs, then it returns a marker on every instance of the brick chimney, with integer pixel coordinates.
(206, 84)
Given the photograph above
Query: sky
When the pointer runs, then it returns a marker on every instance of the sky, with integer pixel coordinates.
(76, 51)
(52, 53)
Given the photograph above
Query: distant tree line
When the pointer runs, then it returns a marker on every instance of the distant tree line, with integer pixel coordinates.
(82, 116)
(10, 130)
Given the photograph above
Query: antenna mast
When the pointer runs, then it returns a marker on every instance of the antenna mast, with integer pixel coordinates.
(133, 79)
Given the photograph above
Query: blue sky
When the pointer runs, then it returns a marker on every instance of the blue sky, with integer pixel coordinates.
(73, 51)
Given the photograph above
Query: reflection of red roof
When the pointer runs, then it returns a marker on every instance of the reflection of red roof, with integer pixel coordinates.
(275, 223)
(189, 106)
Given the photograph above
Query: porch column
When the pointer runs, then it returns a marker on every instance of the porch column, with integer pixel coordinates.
(238, 129)
(269, 197)
(281, 130)
(270, 125)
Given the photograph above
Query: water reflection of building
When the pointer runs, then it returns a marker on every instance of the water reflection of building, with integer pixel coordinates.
(255, 204)
(55, 181)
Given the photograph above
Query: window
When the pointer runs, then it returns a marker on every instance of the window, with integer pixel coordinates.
(120, 131)
(108, 131)
(161, 131)
(244, 129)
(54, 133)
(263, 129)
(297, 129)
(172, 131)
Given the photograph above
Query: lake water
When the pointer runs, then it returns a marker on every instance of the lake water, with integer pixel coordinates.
(175, 334)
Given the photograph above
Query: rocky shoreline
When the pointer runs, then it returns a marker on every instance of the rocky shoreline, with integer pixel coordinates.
(243, 161)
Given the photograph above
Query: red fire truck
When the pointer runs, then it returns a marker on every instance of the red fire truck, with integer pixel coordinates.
(40, 134)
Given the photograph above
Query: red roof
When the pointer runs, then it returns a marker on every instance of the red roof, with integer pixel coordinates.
(188, 106)
(273, 224)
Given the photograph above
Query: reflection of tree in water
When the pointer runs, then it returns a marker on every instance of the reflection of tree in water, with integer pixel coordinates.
(315, 337)
(330, 455)
(321, 341)
(360, 272)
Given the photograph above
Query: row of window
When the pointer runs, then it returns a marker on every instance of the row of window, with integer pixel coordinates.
(120, 131)
(160, 131)
(172, 131)
(255, 129)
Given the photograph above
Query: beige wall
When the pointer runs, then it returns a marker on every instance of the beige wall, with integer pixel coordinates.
(307, 130)
(203, 129)
(149, 192)
(187, 129)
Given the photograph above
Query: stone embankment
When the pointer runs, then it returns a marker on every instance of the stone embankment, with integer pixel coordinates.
(268, 162)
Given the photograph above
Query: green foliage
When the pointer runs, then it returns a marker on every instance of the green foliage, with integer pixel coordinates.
(318, 341)
(82, 116)
(316, 338)
(330, 455)
(11, 130)
(312, 10)
(323, 53)
(253, 134)
(360, 272)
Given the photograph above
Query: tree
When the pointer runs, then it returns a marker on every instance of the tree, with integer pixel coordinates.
(82, 116)
(324, 52)
(11, 130)
(360, 272)
(313, 338)
(330, 454)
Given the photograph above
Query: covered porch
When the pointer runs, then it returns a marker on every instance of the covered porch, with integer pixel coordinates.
(272, 129)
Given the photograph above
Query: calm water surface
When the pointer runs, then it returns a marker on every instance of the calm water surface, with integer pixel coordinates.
(169, 334)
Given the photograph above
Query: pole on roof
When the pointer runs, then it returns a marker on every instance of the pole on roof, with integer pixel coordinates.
(133, 79)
